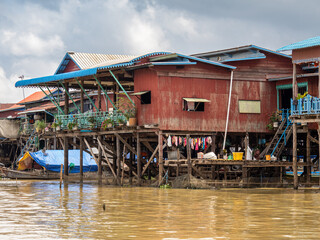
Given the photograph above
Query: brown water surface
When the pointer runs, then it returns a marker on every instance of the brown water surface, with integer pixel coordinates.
(40, 210)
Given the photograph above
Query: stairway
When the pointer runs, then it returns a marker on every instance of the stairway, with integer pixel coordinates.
(279, 140)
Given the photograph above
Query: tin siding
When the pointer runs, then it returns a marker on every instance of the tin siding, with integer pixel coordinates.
(71, 67)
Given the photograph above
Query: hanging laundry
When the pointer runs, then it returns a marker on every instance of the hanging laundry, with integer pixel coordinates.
(169, 143)
(197, 145)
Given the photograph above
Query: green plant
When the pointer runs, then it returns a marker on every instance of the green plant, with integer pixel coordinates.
(40, 125)
(127, 108)
(274, 117)
(300, 96)
(107, 123)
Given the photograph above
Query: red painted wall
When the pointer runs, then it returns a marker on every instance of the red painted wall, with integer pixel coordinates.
(169, 85)
(71, 67)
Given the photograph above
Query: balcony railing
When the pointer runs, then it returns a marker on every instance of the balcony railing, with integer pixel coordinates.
(305, 106)
(89, 120)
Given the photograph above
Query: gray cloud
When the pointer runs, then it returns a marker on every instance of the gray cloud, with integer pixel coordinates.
(34, 35)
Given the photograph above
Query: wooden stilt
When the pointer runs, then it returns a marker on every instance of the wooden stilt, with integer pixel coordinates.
(160, 143)
(81, 159)
(118, 159)
(66, 160)
(130, 164)
(178, 162)
(99, 162)
(105, 156)
(308, 158)
(244, 176)
(189, 159)
(294, 165)
(139, 159)
(213, 144)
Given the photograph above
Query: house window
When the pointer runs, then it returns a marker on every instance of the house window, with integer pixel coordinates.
(249, 106)
(145, 96)
(194, 104)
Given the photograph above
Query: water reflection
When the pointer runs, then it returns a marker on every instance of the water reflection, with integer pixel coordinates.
(41, 210)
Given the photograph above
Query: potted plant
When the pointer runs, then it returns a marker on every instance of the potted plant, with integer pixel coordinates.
(128, 109)
(70, 126)
(92, 121)
(57, 125)
(74, 125)
(40, 125)
(122, 121)
(274, 120)
(107, 123)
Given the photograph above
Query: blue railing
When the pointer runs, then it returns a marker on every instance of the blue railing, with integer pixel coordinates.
(305, 106)
(285, 114)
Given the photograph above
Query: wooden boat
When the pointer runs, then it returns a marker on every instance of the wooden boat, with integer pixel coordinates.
(30, 174)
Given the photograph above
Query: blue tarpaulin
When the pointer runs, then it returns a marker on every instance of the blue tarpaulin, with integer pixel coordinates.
(52, 160)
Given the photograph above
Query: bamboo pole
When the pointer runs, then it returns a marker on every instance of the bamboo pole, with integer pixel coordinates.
(99, 161)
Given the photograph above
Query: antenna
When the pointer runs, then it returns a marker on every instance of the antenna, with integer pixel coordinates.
(21, 78)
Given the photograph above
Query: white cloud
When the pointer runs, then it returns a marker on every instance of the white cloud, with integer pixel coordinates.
(27, 43)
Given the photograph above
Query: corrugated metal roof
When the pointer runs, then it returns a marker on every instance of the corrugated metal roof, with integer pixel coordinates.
(310, 42)
(90, 60)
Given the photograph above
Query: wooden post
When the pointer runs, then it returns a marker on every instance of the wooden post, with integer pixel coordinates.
(118, 159)
(66, 156)
(178, 162)
(294, 165)
(82, 98)
(294, 82)
(81, 159)
(139, 159)
(160, 142)
(123, 162)
(130, 163)
(99, 98)
(244, 176)
(99, 162)
(61, 169)
(319, 149)
(308, 158)
(189, 159)
(213, 144)
(66, 99)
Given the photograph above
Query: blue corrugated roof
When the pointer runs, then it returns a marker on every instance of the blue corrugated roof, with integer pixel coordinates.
(57, 77)
(310, 42)
(207, 61)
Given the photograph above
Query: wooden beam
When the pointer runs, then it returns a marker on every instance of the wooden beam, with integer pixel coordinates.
(160, 143)
(150, 160)
(314, 120)
(82, 99)
(139, 159)
(295, 170)
(189, 159)
(126, 144)
(118, 159)
(99, 162)
(197, 171)
(313, 139)
(107, 160)
(61, 143)
(66, 156)
(91, 152)
(308, 157)
(81, 159)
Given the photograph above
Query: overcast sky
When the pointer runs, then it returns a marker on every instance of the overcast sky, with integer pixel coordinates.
(36, 34)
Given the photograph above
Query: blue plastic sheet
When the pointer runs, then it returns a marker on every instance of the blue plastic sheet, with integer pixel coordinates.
(52, 160)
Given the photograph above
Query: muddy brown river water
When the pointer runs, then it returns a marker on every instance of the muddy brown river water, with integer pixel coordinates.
(40, 210)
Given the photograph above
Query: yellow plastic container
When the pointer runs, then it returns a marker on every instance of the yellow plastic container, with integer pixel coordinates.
(237, 156)
(268, 157)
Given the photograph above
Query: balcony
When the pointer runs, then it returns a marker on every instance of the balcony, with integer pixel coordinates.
(90, 120)
(308, 105)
